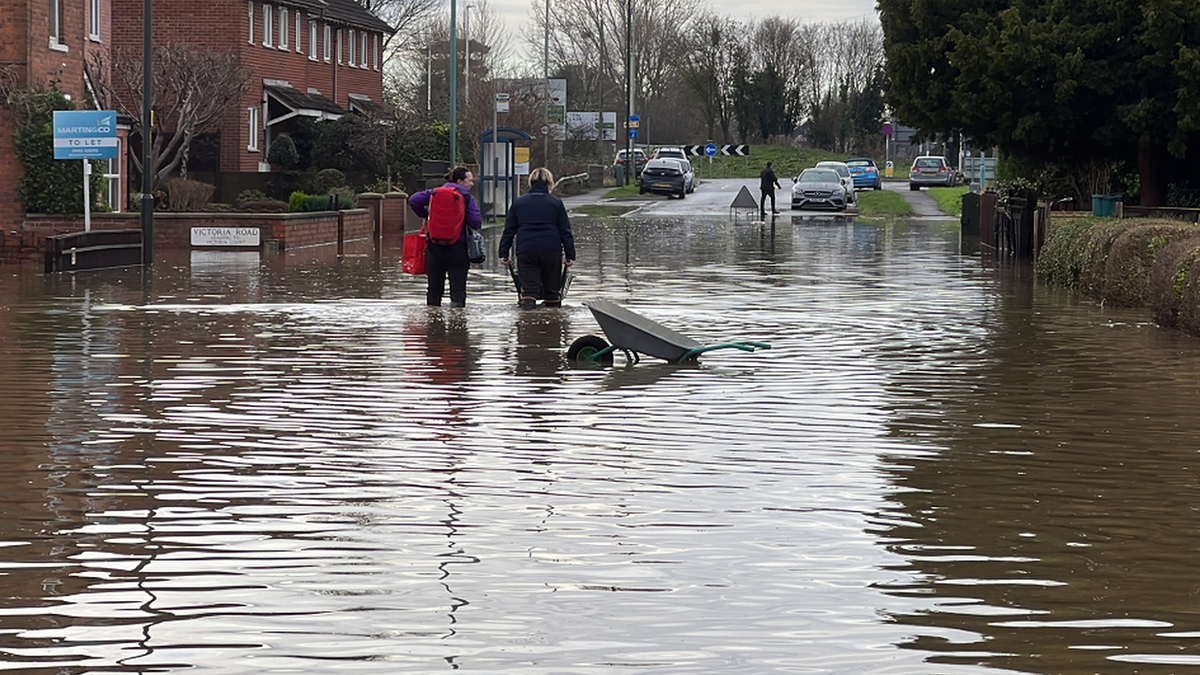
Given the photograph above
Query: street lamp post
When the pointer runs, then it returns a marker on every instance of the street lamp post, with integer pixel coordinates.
(467, 66)
(546, 89)
(147, 155)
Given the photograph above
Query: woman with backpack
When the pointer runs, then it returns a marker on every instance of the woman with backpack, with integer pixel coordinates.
(449, 210)
(538, 220)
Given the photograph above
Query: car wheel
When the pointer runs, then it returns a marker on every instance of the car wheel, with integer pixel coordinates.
(682, 194)
(913, 187)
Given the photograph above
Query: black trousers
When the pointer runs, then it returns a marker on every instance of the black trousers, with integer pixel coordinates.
(541, 274)
(762, 203)
(442, 262)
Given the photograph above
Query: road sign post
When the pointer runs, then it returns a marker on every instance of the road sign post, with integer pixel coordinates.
(85, 135)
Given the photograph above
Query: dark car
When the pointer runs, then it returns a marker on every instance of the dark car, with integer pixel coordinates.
(639, 157)
(666, 177)
(819, 189)
(865, 173)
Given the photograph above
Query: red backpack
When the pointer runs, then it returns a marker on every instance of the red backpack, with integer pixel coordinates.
(447, 210)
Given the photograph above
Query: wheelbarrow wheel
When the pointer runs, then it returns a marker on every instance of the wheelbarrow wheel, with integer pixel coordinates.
(586, 348)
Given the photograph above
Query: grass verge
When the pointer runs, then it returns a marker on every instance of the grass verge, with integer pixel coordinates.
(604, 210)
(882, 204)
(949, 199)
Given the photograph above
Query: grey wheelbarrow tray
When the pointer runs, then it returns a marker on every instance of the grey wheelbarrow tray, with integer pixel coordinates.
(635, 334)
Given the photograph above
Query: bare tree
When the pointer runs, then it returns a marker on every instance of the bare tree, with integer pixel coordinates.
(193, 89)
(714, 48)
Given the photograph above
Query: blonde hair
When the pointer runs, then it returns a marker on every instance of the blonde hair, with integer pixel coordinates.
(542, 175)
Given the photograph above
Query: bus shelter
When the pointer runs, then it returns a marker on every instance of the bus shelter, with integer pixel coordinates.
(499, 169)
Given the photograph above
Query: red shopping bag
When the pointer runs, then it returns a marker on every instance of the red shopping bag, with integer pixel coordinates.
(412, 259)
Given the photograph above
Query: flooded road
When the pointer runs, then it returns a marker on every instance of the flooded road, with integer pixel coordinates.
(295, 466)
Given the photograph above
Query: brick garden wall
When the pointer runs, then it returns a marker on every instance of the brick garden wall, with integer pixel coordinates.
(279, 231)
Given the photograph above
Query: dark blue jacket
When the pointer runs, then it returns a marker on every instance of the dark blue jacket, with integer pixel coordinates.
(471, 218)
(539, 221)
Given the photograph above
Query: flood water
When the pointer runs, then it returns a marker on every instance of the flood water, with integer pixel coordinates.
(295, 467)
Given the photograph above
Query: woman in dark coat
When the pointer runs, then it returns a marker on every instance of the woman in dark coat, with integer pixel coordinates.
(538, 220)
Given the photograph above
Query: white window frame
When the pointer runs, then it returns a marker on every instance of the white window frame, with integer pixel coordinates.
(375, 50)
(312, 40)
(283, 28)
(268, 16)
(250, 22)
(56, 27)
(94, 20)
(362, 52)
(252, 126)
(299, 24)
(352, 63)
(339, 46)
(328, 43)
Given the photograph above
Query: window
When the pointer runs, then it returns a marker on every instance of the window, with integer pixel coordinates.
(297, 31)
(375, 50)
(312, 40)
(352, 48)
(94, 20)
(362, 53)
(339, 45)
(250, 21)
(268, 13)
(328, 43)
(283, 27)
(252, 144)
(112, 183)
(56, 28)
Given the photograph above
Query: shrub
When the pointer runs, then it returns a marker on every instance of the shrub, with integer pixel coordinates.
(218, 207)
(1131, 257)
(246, 196)
(347, 198)
(47, 185)
(1094, 246)
(265, 206)
(296, 201)
(188, 195)
(283, 153)
(327, 179)
(326, 203)
(1060, 261)
(1167, 276)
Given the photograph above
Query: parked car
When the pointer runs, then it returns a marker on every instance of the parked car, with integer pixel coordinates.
(670, 152)
(930, 171)
(667, 176)
(639, 157)
(819, 189)
(843, 172)
(865, 173)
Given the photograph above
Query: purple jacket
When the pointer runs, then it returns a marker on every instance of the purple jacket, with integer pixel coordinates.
(474, 219)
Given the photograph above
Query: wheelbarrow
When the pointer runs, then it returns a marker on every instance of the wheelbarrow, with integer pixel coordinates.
(635, 334)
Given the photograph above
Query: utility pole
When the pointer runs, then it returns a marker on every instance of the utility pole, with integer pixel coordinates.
(630, 164)
(546, 90)
(453, 81)
(147, 153)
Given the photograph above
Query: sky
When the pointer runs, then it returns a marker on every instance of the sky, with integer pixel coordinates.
(515, 13)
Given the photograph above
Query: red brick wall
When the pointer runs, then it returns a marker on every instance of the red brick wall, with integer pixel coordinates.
(288, 231)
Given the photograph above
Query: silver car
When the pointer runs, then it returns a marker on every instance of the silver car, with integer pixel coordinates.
(819, 189)
(843, 172)
(930, 170)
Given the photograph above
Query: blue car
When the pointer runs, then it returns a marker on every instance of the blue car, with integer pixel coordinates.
(865, 173)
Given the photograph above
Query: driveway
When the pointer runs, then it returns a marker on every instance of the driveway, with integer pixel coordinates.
(924, 206)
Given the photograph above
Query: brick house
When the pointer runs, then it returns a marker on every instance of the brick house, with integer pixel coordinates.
(312, 58)
(44, 41)
(307, 58)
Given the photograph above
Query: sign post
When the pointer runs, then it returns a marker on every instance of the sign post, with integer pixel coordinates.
(85, 135)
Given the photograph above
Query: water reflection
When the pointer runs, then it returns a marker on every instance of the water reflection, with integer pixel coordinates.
(293, 464)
